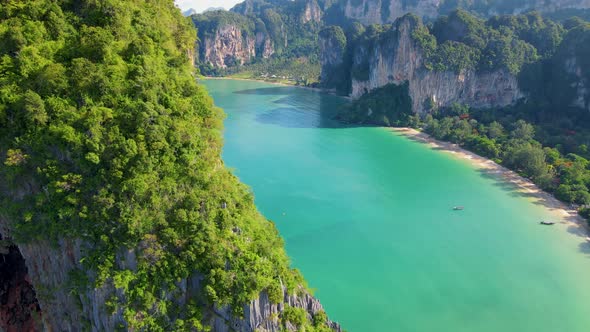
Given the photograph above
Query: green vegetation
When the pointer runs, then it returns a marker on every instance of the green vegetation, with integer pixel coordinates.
(297, 317)
(487, 8)
(389, 105)
(457, 43)
(294, 42)
(106, 137)
(335, 75)
(211, 21)
(463, 42)
(295, 71)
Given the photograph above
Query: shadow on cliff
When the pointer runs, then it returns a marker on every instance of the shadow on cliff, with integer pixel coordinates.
(301, 108)
(19, 308)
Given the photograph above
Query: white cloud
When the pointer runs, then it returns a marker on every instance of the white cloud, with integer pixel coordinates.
(201, 5)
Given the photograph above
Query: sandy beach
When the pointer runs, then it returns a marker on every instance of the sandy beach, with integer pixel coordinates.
(522, 185)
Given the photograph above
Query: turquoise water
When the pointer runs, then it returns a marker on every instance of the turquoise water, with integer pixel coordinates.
(367, 217)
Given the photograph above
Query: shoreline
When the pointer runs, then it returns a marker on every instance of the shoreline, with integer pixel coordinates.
(521, 184)
(329, 92)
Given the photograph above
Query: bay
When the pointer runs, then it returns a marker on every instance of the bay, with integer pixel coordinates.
(367, 217)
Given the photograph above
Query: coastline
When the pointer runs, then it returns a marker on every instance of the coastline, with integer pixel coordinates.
(333, 93)
(521, 185)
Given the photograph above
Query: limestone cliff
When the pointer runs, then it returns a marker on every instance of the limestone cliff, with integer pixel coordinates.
(573, 58)
(229, 45)
(311, 12)
(387, 11)
(332, 42)
(579, 83)
(395, 58)
(53, 306)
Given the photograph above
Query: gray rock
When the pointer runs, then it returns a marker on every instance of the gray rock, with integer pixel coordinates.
(398, 59)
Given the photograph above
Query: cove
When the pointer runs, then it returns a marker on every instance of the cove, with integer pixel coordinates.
(367, 217)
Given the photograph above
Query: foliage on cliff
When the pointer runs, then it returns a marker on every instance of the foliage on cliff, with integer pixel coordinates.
(556, 82)
(293, 39)
(487, 8)
(209, 22)
(389, 105)
(106, 137)
(333, 45)
(464, 42)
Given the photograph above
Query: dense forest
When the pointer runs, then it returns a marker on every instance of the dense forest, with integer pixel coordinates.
(544, 137)
(106, 138)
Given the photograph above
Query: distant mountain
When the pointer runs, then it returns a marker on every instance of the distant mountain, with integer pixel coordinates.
(189, 12)
(212, 9)
(192, 11)
(255, 30)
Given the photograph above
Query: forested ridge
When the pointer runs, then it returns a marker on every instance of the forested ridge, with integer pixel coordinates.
(293, 40)
(293, 27)
(106, 137)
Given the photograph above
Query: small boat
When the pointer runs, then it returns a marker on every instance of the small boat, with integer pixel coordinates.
(458, 208)
(547, 223)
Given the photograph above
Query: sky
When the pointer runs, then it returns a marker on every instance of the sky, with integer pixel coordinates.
(201, 5)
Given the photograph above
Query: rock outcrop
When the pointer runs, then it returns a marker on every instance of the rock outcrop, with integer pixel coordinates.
(50, 268)
(387, 11)
(311, 12)
(580, 84)
(262, 315)
(395, 58)
(332, 43)
(231, 46)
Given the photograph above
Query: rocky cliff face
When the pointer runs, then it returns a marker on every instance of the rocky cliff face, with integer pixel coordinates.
(311, 12)
(19, 308)
(262, 315)
(580, 85)
(231, 46)
(387, 11)
(550, 6)
(54, 307)
(331, 54)
(396, 59)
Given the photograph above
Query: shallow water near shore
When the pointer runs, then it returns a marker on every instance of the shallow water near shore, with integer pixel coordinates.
(367, 216)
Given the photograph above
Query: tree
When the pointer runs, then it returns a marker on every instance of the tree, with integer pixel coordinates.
(527, 157)
(34, 109)
(484, 146)
(461, 130)
(444, 128)
(523, 131)
(495, 130)
(552, 155)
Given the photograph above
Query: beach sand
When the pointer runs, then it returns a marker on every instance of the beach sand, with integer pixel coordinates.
(554, 206)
